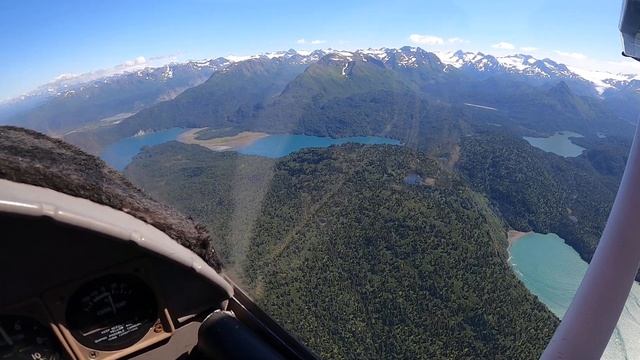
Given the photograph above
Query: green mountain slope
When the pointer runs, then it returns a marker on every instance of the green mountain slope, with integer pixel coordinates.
(355, 93)
(361, 261)
(359, 95)
(543, 192)
(226, 99)
(371, 267)
(222, 190)
(87, 104)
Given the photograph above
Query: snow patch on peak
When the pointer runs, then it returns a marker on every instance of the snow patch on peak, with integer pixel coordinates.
(344, 69)
(516, 62)
(603, 80)
(274, 55)
(168, 73)
(341, 55)
(380, 54)
(345, 53)
(459, 58)
(64, 77)
(451, 59)
(237, 58)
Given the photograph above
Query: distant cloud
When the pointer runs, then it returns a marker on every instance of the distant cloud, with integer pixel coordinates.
(433, 40)
(426, 39)
(456, 40)
(529, 48)
(303, 41)
(64, 77)
(571, 55)
(135, 64)
(624, 66)
(140, 60)
(503, 46)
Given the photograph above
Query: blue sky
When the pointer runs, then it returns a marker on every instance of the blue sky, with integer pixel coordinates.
(40, 40)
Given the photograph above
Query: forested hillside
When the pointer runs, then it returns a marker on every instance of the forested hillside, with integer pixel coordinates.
(543, 192)
(222, 190)
(380, 268)
(223, 100)
(358, 258)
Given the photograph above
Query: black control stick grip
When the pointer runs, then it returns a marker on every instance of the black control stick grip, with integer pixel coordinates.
(223, 336)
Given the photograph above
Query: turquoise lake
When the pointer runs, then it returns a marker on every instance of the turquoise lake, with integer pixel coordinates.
(276, 146)
(552, 271)
(120, 154)
(558, 143)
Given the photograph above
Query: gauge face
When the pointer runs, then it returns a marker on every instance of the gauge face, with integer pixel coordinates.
(25, 338)
(111, 312)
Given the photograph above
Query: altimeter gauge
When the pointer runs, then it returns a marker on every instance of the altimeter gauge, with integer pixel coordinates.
(111, 312)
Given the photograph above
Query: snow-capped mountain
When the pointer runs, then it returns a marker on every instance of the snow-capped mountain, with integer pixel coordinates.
(527, 65)
(486, 65)
(65, 85)
(68, 85)
(516, 64)
(90, 97)
(478, 62)
(405, 57)
(291, 55)
(72, 101)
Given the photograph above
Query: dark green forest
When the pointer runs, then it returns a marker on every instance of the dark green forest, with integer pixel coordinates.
(538, 191)
(222, 190)
(355, 259)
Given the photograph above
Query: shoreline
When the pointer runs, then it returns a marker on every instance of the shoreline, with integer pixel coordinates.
(223, 143)
(514, 235)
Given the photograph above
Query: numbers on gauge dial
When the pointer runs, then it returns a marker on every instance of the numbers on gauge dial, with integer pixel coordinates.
(24, 338)
(111, 312)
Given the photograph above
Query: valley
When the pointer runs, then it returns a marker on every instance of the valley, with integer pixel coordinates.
(361, 179)
(339, 231)
(379, 186)
(119, 154)
(238, 212)
(409, 94)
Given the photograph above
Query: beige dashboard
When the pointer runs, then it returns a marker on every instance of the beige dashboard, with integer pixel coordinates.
(88, 312)
(72, 294)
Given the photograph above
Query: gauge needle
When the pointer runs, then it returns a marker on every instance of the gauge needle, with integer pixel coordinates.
(5, 336)
(94, 331)
(113, 306)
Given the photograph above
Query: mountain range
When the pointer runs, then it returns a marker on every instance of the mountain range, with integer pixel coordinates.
(68, 103)
(381, 91)
(517, 64)
(432, 106)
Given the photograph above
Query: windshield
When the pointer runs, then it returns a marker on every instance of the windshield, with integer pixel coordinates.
(416, 179)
